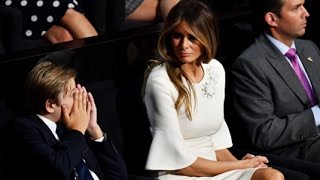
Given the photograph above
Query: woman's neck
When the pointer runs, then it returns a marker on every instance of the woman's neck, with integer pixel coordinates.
(194, 72)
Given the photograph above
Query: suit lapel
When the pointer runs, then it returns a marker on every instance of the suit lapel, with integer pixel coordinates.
(312, 70)
(45, 131)
(285, 71)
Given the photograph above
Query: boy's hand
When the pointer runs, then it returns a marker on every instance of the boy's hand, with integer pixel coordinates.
(79, 116)
(93, 128)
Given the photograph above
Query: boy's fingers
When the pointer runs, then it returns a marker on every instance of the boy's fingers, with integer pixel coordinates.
(89, 107)
(80, 100)
(76, 98)
(91, 100)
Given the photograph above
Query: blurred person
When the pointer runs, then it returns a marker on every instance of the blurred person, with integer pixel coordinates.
(55, 20)
(148, 10)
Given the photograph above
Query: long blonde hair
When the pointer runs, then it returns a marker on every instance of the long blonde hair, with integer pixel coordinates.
(200, 22)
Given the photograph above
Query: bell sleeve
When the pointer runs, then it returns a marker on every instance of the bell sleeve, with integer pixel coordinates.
(168, 150)
(222, 138)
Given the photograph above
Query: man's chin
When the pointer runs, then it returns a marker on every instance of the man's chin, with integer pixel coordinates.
(302, 32)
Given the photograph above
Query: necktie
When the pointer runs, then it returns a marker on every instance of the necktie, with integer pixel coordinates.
(291, 54)
(59, 130)
(81, 170)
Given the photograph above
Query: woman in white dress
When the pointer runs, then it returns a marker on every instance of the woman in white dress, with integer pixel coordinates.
(184, 97)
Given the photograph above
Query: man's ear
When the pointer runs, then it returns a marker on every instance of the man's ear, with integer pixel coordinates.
(271, 19)
(50, 106)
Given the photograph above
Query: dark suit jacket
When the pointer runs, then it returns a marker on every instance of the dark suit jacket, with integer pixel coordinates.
(41, 156)
(272, 108)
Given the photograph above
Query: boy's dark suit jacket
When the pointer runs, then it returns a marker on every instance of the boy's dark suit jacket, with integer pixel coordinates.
(272, 107)
(41, 156)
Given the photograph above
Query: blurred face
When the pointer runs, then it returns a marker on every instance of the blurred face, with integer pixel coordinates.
(185, 46)
(293, 20)
(65, 99)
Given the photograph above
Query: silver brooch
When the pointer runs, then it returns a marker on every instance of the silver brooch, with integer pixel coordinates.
(209, 87)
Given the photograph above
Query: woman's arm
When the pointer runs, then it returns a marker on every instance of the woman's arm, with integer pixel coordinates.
(77, 24)
(225, 155)
(74, 25)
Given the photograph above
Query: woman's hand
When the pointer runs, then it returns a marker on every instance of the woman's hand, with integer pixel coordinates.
(255, 161)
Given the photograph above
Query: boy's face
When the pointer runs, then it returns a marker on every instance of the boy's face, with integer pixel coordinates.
(65, 99)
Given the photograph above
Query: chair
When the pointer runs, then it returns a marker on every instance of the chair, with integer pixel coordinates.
(10, 29)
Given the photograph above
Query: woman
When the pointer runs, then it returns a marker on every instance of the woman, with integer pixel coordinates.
(184, 97)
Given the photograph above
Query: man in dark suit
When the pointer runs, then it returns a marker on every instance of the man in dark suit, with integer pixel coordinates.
(55, 99)
(277, 108)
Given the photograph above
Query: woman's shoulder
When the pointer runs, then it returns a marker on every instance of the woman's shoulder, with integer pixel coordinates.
(159, 78)
(158, 71)
(215, 64)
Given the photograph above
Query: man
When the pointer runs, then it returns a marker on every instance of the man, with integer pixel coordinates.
(45, 150)
(276, 107)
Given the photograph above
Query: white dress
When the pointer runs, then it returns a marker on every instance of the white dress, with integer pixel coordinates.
(178, 141)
